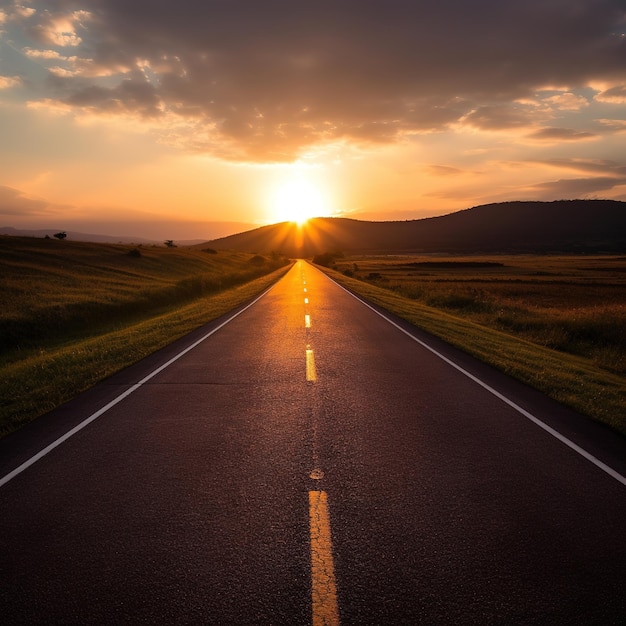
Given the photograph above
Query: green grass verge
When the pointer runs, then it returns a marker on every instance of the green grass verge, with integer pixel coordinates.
(51, 375)
(572, 380)
(55, 289)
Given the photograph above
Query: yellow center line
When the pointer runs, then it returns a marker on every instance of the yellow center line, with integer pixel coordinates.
(311, 374)
(323, 588)
(324, 606)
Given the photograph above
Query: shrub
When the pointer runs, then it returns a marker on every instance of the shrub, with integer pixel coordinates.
(326, 259)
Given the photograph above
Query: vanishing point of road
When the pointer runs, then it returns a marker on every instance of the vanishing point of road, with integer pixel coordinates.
(306, 460)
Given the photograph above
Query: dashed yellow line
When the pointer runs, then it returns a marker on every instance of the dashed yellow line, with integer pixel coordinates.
(311, 374)
(323, 588)
(325, 610)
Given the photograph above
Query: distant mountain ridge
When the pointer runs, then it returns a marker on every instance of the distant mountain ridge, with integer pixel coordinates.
(509, 227)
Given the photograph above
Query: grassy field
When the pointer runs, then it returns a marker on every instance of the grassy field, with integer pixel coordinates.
(74, 313)
(555, 322)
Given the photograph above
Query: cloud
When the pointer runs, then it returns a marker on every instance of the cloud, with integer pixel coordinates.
(270, 80)
(601, 166)
(609, 126)
(132, 95)
(579, 187)
(613, 95)
(14, 202)
(60, 28)
(567, 101)
(19, 11)
(504, 117)
(443, 170)
(7, 82)
(43, 54)
(560, 134)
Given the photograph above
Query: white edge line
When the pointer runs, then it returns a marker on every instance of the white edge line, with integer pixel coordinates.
(26, 464)
(570, 444)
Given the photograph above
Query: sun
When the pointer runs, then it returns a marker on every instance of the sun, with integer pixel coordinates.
(297, 200)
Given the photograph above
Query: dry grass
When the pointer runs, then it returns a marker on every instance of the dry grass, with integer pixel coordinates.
(53, 288)
(555, 322)
(76, 312)
(576, 305)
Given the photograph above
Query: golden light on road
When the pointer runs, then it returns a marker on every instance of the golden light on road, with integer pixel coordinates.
(297, 200)
(324, 589)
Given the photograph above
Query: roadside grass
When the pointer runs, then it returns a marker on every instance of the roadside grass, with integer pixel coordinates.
(105, 313)
(68, 288)
(555, 323)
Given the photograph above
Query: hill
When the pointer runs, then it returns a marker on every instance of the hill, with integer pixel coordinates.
(62, 288)
(73, 235)
(74, 312)
(567, 226)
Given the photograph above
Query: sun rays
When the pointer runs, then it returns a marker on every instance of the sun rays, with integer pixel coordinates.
(297, 200)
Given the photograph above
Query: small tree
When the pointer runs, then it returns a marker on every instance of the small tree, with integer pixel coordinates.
(257, 259)
(60, 236)
(170, 243)
(327, 259)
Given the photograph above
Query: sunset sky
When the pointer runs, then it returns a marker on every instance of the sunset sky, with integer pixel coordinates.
(158, 118)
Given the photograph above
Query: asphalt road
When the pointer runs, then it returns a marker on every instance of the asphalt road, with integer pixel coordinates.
(309, 462)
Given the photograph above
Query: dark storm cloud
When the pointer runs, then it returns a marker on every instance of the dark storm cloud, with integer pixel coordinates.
(264, 80)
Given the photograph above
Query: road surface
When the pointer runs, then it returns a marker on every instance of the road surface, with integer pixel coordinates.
(309, 462)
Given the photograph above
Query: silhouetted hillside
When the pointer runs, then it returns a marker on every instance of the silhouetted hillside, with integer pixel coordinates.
(74, 235)
(560, 226)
